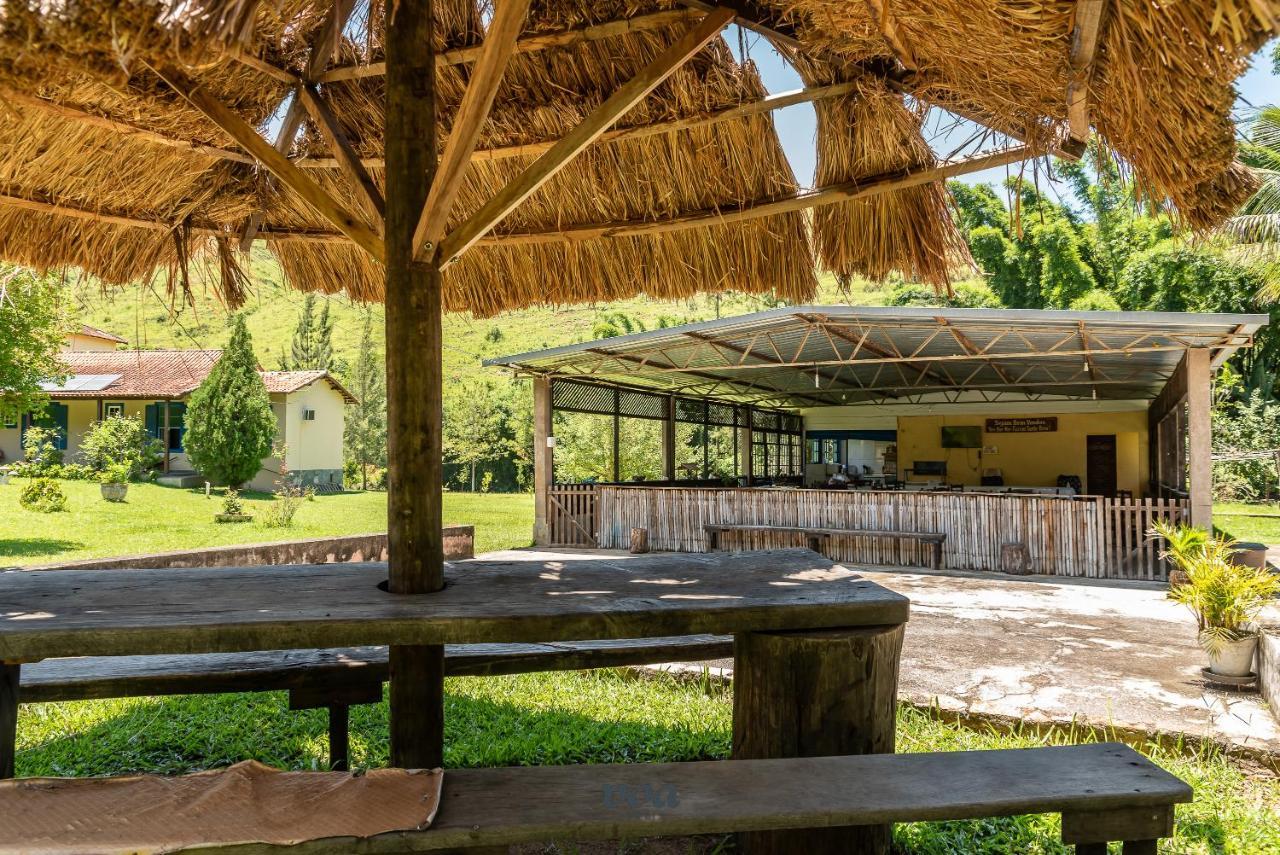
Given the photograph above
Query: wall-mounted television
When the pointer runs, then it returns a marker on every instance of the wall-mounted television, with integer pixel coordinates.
(962, 436)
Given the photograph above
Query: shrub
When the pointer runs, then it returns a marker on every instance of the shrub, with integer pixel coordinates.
(40, 449)
(231, 503)
(73, 472)
(120, 440)
(116, 473)
(44, 496)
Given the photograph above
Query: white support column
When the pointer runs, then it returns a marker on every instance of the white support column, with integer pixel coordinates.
(543, 459)
(1199, 436)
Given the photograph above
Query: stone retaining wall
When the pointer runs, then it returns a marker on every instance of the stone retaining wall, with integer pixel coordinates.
(459, 543)
(1269, 668)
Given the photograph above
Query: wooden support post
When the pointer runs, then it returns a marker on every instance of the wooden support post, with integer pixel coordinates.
(543, 460)
(1199, 436)
(816, 693)
(669, 441)
(746, 440)
(166, 442)
(415, 543)
(339, 737)
(9, 678)
(617, 438)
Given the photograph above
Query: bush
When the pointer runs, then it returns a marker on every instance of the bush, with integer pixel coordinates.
(40, 450)
(231, 503)
(44, 496)
(120, 441)
(116, 473)
(73, 472)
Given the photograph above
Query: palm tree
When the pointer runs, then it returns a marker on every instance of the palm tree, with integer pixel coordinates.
(1258, 221)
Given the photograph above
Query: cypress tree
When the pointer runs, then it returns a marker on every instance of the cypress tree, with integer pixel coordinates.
(366, 427)
(230, 426)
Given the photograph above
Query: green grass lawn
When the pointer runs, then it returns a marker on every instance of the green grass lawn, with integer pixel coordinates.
(1227, 518)
(585, 717)
(161, 519)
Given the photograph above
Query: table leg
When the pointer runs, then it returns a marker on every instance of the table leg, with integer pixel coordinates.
(339, 737)
(9, 676)
(816, 693)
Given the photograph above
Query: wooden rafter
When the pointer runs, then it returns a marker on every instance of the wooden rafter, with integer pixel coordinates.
(270, 70)
(752, 16)
(529, 44)
(701, 120)
(273, 160)
(846, 192)
(92, 120)
(1084, 48)
(464, 135)
(970, 347)
(348, 158)
(889, 29)
(582, 135)
(323, 47)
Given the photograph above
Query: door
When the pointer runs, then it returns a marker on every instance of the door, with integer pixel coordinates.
(1100, 465)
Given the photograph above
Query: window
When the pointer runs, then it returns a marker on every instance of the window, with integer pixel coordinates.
(113, 411)
(824, 451)
(177, 423)
(9, 418)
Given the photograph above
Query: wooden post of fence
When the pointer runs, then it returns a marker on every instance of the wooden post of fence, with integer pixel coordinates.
(1199, 437)
(669, 441)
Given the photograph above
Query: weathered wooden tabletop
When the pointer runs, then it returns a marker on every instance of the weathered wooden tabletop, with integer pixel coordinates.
(209, 610)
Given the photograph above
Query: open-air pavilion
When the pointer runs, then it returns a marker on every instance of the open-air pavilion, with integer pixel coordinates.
(1066, 431)
(458, 155)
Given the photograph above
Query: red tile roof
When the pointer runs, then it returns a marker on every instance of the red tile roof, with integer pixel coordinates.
(291, 381)
(142, 373)
(169, 374)
(94, 332)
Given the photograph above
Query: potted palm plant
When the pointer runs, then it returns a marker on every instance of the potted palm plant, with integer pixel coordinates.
(1226, 597)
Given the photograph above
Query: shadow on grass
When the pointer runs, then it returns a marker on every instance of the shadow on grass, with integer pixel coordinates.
(25, 547)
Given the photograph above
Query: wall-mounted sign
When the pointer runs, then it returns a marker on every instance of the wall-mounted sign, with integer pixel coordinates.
(1029, 424)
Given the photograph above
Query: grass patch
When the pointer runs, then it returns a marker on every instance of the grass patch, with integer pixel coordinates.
(587, 717)
(1230, 518)
(163, 519)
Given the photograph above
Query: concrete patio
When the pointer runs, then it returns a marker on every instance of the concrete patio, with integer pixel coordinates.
(1051, 650)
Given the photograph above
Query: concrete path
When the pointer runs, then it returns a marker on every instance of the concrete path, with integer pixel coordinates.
(1055, 650)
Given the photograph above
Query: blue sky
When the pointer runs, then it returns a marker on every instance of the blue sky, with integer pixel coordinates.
(796, 125)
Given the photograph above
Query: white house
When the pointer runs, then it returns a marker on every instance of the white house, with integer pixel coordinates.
(155, 384)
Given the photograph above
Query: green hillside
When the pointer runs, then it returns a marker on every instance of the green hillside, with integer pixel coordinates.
(145, 316)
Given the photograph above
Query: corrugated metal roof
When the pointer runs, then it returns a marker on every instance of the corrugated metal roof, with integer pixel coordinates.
(805, 356)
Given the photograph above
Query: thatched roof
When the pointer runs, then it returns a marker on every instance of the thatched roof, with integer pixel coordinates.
(105, 167)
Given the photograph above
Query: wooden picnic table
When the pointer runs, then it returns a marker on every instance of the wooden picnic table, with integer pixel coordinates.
(810, 635)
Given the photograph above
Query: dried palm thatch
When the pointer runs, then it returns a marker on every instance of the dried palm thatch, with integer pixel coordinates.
(104, 166)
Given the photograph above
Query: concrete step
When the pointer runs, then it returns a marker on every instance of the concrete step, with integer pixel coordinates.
(181, 479)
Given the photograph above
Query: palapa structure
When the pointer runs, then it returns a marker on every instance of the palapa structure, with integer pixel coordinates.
(463, 155)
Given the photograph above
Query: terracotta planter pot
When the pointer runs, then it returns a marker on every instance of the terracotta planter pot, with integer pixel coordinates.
(114, 492)
(1235, 659)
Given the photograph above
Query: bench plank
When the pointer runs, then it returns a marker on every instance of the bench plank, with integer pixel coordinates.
(935, 539)
(96, 677)
(114, 613)
(488, 807)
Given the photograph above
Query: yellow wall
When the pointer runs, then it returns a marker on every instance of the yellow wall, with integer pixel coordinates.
(1029, 459)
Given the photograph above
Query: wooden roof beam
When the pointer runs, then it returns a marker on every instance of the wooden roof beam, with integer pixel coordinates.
(971, 348)
(348, 160)
(273, 160)
(845, 192)
(529, 44)
(584, 134)
(464, 135)
(889, 29)
(702, 375)
(325, 45)
(754, 17)
(1084, 48)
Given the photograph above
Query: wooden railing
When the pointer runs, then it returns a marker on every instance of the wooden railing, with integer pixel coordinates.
(1085, 536)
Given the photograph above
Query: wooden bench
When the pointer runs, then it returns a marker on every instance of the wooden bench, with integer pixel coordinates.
(329, 679)
(1104, 792)
(816, 535)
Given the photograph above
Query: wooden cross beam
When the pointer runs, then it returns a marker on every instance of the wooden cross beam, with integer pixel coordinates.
(1084, 48)
(530, 44)
(273, 160)
(586, 132)
(968, 344)
(752, 16)
(486, 76)
(348, 159)
(325, 45)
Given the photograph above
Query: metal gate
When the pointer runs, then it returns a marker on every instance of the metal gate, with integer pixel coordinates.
(571, 514)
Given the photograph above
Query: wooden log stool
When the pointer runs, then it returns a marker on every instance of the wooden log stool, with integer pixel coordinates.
(816, 693)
